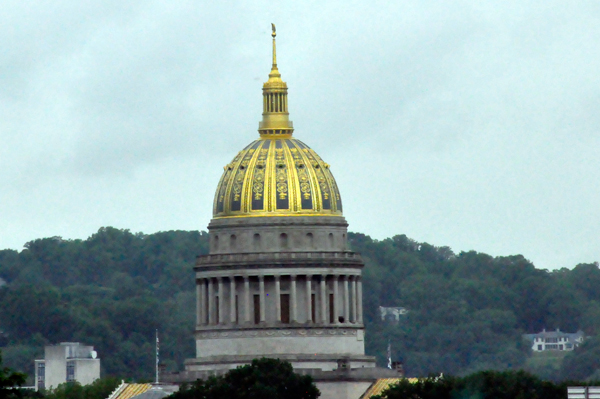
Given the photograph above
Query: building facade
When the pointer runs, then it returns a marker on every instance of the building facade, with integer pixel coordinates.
(66, 362)
(555, 340)
(279, 280)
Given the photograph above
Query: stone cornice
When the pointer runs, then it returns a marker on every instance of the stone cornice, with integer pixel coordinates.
(279, 258)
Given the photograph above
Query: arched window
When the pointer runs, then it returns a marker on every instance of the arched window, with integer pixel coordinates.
(256, 242)
(330, 240)
(310, 241)
(216, 243)
(232, 241)
(283, 241)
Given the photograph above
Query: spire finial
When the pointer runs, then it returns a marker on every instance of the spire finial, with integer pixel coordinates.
(275, 122)
(274, 33)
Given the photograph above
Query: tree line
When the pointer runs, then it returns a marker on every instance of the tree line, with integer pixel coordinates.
(466, 311)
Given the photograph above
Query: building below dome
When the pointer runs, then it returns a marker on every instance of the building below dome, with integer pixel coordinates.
(279, 280)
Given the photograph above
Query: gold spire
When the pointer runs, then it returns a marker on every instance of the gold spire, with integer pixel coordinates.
(275, 121)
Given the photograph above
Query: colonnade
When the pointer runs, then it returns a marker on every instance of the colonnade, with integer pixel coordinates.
(273, 299)
(275, 102)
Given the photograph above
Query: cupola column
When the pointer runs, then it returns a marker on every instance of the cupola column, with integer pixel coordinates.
(354, 299)
(346, 300)
(309, 318)
(199, 301)
(261, 282)
(359, 307)
(324, 299)
(335, 299)
(247, 299)
(211, 302)
(294, 312)
(232, 307)
(278, 298)
(221, 304)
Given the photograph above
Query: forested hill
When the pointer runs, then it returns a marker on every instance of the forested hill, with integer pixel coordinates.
(467, 311)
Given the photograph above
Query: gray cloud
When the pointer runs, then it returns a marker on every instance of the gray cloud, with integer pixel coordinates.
(468, 124)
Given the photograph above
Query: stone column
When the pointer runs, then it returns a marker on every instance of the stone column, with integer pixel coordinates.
(277, 299)
(309, 299)
(324, 299)
(293, 300)
(346, 300)
(199, 302)
(359, 307)
(354, 299)
(211, 302)
(335, 299)
(232, 307)
(221, 302)
(261, 282)
(247, 297)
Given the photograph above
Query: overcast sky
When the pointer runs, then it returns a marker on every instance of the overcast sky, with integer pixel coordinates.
(471, 124)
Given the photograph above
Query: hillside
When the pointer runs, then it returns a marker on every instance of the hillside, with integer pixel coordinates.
(467, 311)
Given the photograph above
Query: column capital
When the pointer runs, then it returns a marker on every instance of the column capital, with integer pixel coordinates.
(277, 277)
(261, 278)
(293, 277)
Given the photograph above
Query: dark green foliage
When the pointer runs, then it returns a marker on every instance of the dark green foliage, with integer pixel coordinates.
(112, 291)
(99, 389)
(263, 379)
(10, 381)
(481, 385)
(467, 312)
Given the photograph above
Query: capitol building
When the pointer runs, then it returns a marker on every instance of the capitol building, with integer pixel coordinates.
(279, 280)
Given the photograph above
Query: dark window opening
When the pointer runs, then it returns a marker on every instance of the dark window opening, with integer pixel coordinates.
(331, 309)
(256, 309)
(256, 242)
(313, 308)
(283, 241)
(309, 240)
(217, 318)
(285, 308)
(70, 371)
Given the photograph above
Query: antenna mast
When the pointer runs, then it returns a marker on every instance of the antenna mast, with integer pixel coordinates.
(157, 348)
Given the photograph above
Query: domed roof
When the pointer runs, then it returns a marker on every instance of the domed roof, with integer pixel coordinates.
(277, 177)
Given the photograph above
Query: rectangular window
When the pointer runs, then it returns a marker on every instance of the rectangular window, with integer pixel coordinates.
(313, 307)
(285, 308)
(70, 371)
(539, 347)
(217, 317)
(331, 315)
(237, 309)
(256, 309)
(41, 375)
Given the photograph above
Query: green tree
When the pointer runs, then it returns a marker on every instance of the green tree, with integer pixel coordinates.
(99, 389)
(481, 385)
(10, 381)
(263, 379)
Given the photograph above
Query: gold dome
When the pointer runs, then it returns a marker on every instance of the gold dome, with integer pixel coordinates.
(276, 175)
